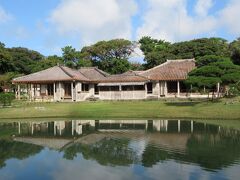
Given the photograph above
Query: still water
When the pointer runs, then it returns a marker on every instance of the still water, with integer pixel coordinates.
(118, 149)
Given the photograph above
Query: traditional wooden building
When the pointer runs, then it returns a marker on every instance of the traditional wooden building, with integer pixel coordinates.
(61, 83)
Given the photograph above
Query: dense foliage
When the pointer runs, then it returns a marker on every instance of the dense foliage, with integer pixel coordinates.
(6, 99)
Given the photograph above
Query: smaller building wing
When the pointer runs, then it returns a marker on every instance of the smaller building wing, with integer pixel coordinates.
(171, 70)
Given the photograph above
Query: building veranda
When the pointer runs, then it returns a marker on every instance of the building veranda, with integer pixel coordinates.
(61, 83)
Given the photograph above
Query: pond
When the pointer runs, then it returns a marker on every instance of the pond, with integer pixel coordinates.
(118, 149)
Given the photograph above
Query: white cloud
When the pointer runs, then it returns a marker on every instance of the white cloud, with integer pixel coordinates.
(4, 16)
(202, 7)
(229, 17)
(94, 20)
(169, 20)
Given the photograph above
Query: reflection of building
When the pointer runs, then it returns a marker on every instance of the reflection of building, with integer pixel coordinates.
(79, 127)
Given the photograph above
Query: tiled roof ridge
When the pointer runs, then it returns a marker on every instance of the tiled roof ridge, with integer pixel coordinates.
(73, 70)
(97, 69)
(135, 74)
(102, 72)
(25, 76)
(181, 60)
(64, 70)
(167, 62)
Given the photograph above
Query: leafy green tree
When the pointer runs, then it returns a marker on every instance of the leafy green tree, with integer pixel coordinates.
(221, 71)
(235, 51)
(6, 64)
(156, 51)
(5, 79)
(205, 60)
(136, 66)
(24, 60)
(48, 62)
(111, 56)
(70, 57)
(201, 47)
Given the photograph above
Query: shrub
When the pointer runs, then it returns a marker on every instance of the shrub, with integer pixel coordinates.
(6, 98)
(234, 90)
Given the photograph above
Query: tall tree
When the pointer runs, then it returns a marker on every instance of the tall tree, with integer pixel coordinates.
(111, 56)
(6, 64)
(156, 51)
(235, 51)
(70, 56)
(24, 60)
(48, 62)
(221, 71)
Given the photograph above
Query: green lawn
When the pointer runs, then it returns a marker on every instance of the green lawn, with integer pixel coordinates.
(125, 110)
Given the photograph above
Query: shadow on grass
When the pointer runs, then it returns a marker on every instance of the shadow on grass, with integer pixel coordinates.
(182, 103)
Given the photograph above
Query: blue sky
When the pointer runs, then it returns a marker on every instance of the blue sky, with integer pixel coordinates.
(49, 25)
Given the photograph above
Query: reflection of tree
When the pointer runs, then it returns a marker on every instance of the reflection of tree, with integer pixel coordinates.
(7, 129)
(106, 152)
(152, 155)
(12, 149)
(211, 152)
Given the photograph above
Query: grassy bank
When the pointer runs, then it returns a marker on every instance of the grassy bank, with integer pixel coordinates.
(224, 109)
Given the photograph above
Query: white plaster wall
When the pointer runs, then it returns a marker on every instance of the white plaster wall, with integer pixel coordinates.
(156, 88)
(121, 95)
(80, 95)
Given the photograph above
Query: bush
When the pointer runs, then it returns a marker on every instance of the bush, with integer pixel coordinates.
(6, 98)
(234, 90)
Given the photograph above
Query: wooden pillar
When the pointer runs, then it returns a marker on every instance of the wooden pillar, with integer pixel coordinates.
(191, 126)
(54, 91)
(54, 130)
(165, 89)
(32, 128)
(166, 125)
(146, 126)
(72, 91)
(46, 86)
(19, 128)
(191, 91)
(72, 127)
(61, 91)
(18, 92)
(178, 88)
(145, 86)
(218, 89)
(179, 125)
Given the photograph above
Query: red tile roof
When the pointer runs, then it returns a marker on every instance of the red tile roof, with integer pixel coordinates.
(56, 73)
(170, 70)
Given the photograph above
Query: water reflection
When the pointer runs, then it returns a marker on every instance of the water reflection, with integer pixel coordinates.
(143, 143)
(79, 127)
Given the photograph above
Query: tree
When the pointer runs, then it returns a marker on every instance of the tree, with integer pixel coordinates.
(48, 62)
(156, 51)
(70, 56)
(220, 70)
(5, 60)
(235, 51)
(5, 79)
(111, 56)
(201, 47)
(24, 60)
(205, 60)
